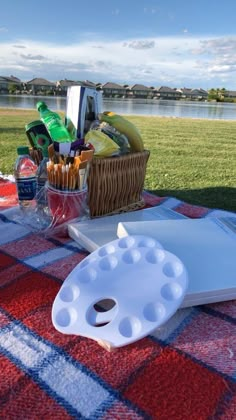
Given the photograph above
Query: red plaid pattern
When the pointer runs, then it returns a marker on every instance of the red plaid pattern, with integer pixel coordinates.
(187, 372)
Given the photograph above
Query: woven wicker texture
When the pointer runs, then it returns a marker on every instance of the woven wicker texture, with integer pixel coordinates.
(116, 183)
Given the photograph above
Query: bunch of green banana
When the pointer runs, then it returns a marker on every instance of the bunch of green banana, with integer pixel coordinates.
(124, 127)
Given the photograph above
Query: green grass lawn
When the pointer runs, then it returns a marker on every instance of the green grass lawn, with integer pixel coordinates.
(193, 160)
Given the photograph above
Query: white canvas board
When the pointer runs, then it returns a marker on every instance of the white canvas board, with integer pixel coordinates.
(93, 233)
(207, 247)
(203, 300)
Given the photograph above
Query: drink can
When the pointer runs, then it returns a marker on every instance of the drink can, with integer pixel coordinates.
(38, 135)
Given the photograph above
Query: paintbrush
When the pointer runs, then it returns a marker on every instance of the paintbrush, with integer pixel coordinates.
(82, 173)
(86, 155)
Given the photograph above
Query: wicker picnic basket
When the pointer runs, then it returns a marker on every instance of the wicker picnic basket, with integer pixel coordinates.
(115, 184)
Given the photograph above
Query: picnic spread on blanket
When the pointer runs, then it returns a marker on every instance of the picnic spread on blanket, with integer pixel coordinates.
(115, 303)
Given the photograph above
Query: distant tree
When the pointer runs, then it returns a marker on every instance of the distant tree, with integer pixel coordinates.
(12, 87)
(217, 94)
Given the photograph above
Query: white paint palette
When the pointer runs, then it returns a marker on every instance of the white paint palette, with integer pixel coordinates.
(121, 292)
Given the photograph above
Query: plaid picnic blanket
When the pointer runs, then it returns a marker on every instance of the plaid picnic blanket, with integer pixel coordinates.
(184, 370)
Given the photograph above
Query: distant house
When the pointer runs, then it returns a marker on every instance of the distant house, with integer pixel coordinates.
(62, 86)
(87, 83)
(165, 92)
(6, 83)
(39, 85)
(193, 94)
(201, 93)
(12, 84)
(230, 94)
(140, 91)
(185, 93)
(111, 90)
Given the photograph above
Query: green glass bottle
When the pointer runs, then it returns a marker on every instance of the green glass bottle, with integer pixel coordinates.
(54, 124)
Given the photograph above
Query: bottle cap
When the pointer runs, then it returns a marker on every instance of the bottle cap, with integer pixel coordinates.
(41, 104)
(23, 150)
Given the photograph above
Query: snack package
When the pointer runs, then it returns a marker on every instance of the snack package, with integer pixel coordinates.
(102, 144)
(116, 136)
(124, 127)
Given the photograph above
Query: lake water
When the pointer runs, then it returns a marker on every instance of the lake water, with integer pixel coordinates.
(163, 108)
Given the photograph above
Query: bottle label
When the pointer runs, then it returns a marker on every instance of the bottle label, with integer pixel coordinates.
(26, 188)
(54, 121)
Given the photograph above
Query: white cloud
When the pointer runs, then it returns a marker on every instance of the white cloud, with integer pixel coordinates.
(32, 57)
(140, 45)
(19, 46)
(176, 61)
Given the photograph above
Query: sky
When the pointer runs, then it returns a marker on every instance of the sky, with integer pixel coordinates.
(175, 43)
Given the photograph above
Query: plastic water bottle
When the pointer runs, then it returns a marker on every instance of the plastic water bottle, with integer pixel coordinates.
(54, 124)
(25, 176)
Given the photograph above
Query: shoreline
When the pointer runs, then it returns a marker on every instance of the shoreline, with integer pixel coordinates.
(12, 109)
